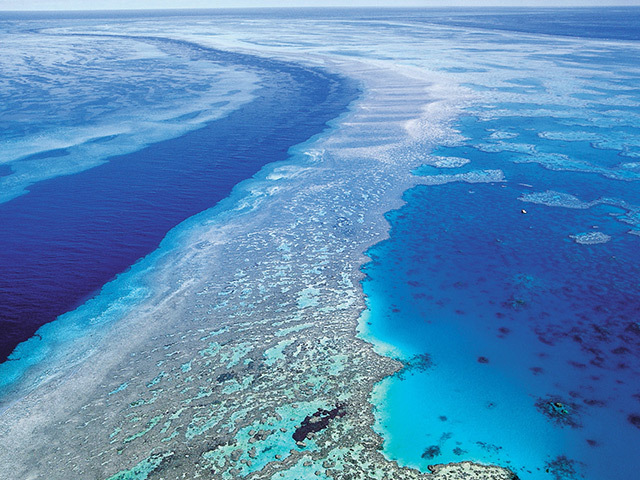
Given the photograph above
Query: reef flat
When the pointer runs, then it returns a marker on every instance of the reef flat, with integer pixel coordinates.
(244, 362)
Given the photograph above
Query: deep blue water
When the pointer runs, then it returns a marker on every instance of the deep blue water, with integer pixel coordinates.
(620, 23)
(469, 281)
(70, 235)
(522, 345)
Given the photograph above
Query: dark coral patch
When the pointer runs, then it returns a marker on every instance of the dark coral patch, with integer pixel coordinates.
(225, 376)
(620, 350)
(431, 452)
(419, 363)
(560, 412)
(545, 340)
(634, 419)
(515, 303)
(318, 421)
(562, 468)
(489, 447)
(504, 331)
(634, 328)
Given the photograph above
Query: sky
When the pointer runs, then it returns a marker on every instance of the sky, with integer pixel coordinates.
(161, 4)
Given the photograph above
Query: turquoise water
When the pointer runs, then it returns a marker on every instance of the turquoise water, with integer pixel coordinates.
(515, 304)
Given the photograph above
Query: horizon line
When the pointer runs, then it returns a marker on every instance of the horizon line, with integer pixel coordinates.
(325, 7)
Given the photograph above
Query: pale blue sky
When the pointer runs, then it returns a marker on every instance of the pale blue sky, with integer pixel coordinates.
(160, 4)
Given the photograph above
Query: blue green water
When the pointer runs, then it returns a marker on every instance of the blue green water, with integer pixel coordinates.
(515, 305)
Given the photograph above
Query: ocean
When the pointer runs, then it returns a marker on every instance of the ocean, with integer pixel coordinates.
(508, 285)
(516, 305)
(72, 220)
